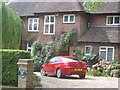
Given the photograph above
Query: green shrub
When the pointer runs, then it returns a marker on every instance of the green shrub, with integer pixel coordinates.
(11, 28)
(36, 81)
(43, 52)
(10, 67)
(89, 59)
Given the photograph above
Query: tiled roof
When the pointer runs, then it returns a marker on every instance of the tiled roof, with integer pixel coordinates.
(29, 8)
(108, 7)
(101, 35)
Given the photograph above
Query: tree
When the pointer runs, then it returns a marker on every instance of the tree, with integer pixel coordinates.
(92, 5)
(11, 28)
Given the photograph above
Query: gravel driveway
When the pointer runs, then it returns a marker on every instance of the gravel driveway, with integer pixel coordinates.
(75, 82)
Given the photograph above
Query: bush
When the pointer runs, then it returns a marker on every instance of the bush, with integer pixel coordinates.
(89, 59)
(43, 52)
(10, 67)
(36, 81)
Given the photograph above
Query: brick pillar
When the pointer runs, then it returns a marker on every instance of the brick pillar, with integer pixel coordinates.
(25, 73)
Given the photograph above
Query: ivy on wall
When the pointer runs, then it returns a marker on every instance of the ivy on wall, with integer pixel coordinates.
(11, 28)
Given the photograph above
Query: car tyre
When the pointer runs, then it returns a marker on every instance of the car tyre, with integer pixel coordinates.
(59, 73)
(82, 76)
(42, 72)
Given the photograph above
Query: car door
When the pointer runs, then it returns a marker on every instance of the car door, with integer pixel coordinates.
(50, 66)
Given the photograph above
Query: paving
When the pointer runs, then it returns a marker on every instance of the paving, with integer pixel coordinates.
(74, 82)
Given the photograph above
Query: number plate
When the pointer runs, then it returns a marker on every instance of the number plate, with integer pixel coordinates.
(78, 69)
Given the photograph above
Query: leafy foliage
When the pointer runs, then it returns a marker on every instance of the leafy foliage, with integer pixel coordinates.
(10, 67)
(36, 81)
(53, 48)
(90, 59)
(92, 5)
(11, 28)
(36, 47)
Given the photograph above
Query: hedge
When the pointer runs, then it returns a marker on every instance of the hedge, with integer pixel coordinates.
(10, 67)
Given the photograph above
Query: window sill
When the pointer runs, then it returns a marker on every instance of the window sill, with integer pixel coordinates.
(48, 33)
(33, 30)
(69, 22)
(112, 24)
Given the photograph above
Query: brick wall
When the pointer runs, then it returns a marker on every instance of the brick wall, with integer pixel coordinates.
(96, 47)
(80, 25)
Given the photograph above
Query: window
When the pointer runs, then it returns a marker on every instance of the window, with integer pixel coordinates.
(52, 60)
(29, 48)
(69, 18)
(113, 20)
(88, 50)
(33, 24)
(49, 24)
(107, 53)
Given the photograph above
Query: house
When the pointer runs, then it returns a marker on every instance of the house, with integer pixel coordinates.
(96, 30)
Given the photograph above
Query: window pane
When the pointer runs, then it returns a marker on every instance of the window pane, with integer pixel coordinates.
(88, 50)
(103, 48)
(46, 28)
(31, 21)
(52, 18)
(117, 20)
(65, 18)
(57, 60)
(110, 54)
(71, 18)
(35, 26)
(35, 20)
(47, 19)
(29, 50)
(30, 26)
(110, 20)
(51, 28)
(52, 60)
(103, 55)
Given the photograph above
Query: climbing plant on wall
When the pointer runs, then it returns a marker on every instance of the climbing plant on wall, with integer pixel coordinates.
(11, 28)
(43, 52)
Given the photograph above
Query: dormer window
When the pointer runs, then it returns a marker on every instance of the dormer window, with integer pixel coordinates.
(113, 20)
(33, 24)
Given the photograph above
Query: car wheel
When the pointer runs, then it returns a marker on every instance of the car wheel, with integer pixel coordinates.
(59, 73)
(82, 76)
(42, 72)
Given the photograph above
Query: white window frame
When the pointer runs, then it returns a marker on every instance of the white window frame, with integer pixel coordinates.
(90, 49)
(68, 18)
(33, 25)
(113, 20)
(106, 51)
(29, 47)
(49, 23)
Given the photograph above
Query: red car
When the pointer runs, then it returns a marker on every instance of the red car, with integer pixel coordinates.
(64, 65)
